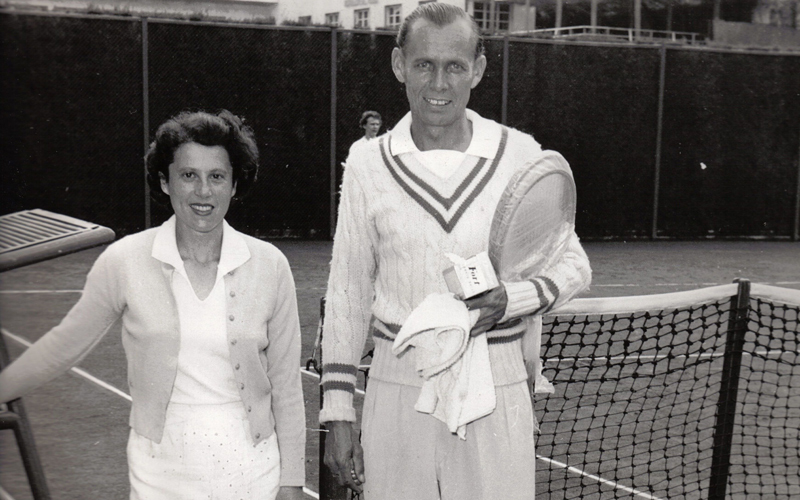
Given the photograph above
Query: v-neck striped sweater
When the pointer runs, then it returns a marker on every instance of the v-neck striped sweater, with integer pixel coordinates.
(397, 221)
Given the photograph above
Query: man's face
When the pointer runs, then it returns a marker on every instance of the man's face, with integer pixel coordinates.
(439, 68)
(372, 127)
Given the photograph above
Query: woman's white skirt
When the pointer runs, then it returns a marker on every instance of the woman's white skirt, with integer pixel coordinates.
(206, 453)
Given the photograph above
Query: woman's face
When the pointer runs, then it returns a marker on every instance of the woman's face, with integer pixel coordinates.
(200, 186)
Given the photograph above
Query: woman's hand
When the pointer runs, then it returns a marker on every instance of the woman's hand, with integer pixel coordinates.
(492, 305)
(290, 493)
(344, 455)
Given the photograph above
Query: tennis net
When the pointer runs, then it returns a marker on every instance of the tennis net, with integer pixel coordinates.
(682, 395)
(687, 395)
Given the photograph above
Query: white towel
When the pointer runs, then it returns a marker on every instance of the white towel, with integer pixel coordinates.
(458, 386)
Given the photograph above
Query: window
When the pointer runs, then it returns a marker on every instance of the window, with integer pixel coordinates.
(393, 17)
(332, 19)
(361, 19)
(502, 15)
(304, 20)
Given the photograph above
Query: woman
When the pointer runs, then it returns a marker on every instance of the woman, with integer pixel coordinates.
(209, 326)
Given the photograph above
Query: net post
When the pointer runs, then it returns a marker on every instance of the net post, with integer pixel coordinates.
(146, 117)
(729, 387)
(329, 488)
(334, 69)
(796, 228)
(504, 97)
(659, 135)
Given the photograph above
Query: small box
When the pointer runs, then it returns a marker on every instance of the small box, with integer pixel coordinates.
(470, 277)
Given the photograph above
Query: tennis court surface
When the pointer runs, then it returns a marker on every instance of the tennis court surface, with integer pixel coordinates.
(633, 416)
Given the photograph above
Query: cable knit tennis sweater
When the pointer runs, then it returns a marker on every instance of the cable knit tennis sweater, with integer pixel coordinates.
(396, 222)
(131, 281)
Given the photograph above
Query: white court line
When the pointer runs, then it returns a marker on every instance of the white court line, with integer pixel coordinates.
(75, 369)
(697, 285)
(635, 492)
(4, 495)
(598, 285)
(662, 356)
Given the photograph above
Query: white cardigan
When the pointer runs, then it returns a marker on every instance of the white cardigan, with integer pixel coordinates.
(263, 334)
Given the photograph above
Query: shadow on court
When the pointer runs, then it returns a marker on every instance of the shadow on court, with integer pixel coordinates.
(81, 428)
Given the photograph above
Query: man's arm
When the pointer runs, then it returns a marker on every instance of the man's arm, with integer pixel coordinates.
(348, 301)
(553, 287)
(348, 309)
(538, 295)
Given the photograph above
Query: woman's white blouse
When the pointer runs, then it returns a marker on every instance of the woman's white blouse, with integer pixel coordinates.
(204, 373)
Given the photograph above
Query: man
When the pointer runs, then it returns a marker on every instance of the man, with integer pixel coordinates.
(427, 188)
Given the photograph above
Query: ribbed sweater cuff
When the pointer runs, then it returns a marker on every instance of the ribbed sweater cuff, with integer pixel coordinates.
(522, 297)
(338, 405)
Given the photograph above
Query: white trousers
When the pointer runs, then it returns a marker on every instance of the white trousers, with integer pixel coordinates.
(412, 455)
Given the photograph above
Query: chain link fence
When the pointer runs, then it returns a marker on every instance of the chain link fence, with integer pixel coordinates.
(665, 141)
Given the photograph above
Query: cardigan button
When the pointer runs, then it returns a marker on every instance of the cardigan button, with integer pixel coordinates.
(237, 366)
(242, 386)
(249, 409)
(230, 317)
(233, 342)
(258, 435)
(233, 294)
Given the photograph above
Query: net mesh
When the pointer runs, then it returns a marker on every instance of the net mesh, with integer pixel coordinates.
(635, 410)
(765, 456)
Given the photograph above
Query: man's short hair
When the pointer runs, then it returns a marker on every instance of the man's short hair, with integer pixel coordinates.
(366, 115)
(440, 14)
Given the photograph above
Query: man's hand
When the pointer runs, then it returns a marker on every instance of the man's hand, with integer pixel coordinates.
(290, 493)
(344, 455)
(492, 305)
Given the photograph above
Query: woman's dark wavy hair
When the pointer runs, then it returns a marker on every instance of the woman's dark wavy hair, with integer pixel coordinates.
(222, 129)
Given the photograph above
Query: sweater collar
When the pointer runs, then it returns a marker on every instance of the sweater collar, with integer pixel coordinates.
(233, 254)
(485, 136)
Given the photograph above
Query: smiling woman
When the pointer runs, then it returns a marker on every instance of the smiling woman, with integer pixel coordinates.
(210, 330)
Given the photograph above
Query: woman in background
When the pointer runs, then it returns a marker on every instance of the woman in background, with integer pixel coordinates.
(209, 327)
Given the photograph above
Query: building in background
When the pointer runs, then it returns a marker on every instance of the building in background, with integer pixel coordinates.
(671, 19)
(492, 16)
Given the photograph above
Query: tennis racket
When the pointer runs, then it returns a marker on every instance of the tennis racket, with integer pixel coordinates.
(534, 219)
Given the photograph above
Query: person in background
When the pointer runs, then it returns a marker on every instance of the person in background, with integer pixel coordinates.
(371, 123)
(427, 188)
(209, 326)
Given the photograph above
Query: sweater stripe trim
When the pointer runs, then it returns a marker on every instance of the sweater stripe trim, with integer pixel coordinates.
(446, 202)
(505, 339)
(337, 385)
(551, 286)
(543, 301)
(342, 368)
(447, 225)
(484, 181)
(413, 194)
(389, 331)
